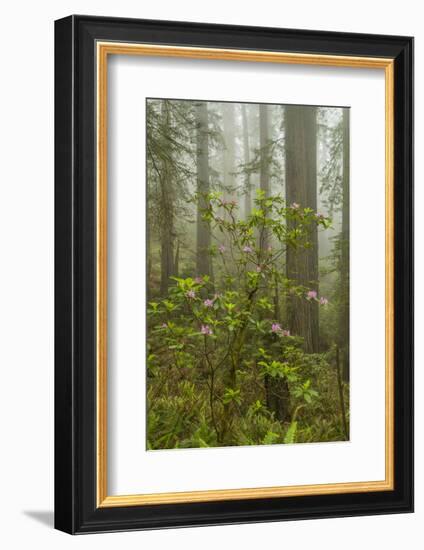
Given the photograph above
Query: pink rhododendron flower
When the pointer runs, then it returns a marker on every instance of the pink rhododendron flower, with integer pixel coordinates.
(295, 205)
(198, 280)
(221, 248)
(312, 295)
(275, 327)
(208, 303)
(285, 333)
(206, 330)
(191, 294)
(247, 249)
(164, 325)
(323, 301)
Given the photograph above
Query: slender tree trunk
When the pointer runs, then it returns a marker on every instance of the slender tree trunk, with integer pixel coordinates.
(203, 257)
(149, 259)
(177, 259)
(301, 188)
(167, 211)
(344, 254)
(264, 162)
(246, 151)
(263, 144)
(229, 151)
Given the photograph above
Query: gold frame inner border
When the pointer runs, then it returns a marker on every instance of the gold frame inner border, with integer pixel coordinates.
(104, 49)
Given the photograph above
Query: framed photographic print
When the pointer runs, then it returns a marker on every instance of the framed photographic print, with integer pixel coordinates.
(233, 274)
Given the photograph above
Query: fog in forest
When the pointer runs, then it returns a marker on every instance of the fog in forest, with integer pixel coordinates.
(247, 273)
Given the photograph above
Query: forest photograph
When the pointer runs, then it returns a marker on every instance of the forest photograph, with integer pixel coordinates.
(247, 274)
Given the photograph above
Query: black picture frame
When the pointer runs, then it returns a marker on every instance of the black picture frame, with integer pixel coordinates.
(76, 510)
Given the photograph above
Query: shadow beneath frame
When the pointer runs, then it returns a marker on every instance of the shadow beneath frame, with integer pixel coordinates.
(46, 517)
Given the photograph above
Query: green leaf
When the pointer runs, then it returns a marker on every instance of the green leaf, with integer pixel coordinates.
(270, 438)
(231, 395)
(290, 436)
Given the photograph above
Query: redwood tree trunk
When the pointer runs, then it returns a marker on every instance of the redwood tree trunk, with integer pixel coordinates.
(301, 188)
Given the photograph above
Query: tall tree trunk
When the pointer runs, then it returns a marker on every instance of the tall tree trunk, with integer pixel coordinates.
(167, 210)
(177, 259)
(203, 257)
(344, 253)
(301, 188)
(149, 259)
(264, 162)
(263, 144)
(246, 152)
(229, 151)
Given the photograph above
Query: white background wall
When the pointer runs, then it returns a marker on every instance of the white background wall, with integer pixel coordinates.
(26, 273)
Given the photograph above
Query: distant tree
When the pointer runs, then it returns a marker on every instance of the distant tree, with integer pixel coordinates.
(264, 146)
(246, 159)
(264, 180)
(334, 190)
(170, 161)
(167, 203)
(229, 167)
(203, 258)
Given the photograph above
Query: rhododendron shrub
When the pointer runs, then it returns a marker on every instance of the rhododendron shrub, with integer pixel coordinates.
(224, 367)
